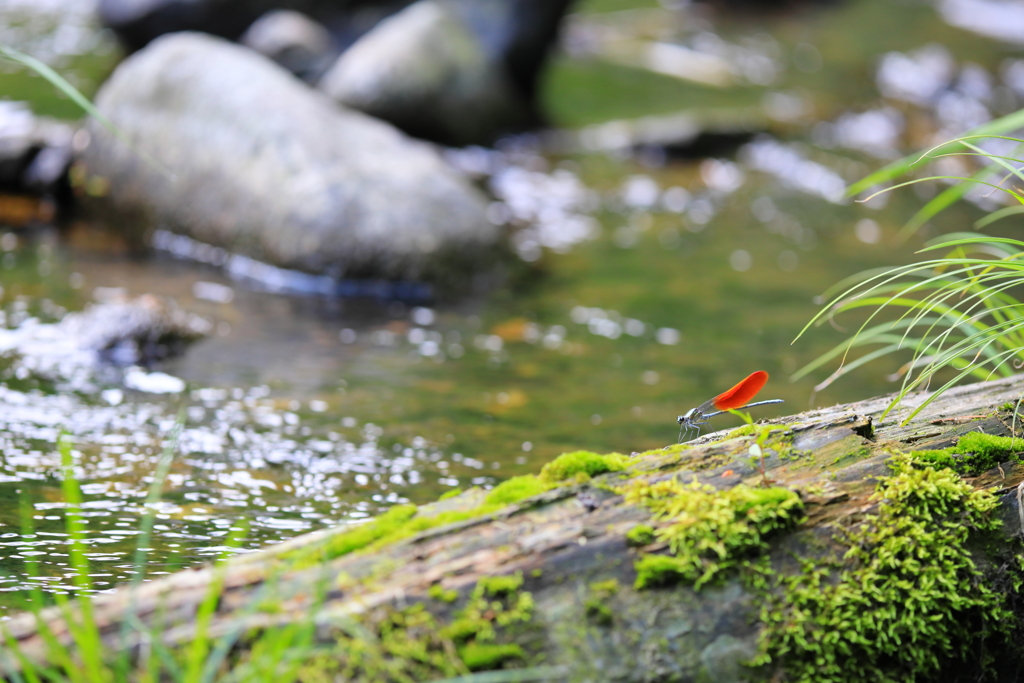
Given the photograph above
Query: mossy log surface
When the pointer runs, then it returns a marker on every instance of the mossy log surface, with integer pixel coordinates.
(576, 548)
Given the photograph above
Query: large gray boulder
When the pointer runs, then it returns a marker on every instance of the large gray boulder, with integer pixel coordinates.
(426, 71)
(259, 164)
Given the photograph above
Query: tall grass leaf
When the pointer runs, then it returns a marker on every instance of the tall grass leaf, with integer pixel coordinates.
(897, 168)
(59, 82)
(998, 215)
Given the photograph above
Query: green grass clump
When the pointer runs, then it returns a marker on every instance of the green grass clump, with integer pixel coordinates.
(973, 454)
(568, 465)
(906, 598)
(708, 531)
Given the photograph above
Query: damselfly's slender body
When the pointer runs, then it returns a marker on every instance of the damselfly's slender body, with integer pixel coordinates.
(734, 399)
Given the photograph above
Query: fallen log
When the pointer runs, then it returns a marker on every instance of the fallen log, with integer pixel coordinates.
(834, 545)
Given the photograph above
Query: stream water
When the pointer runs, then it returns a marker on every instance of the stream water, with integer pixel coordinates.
(654, 278)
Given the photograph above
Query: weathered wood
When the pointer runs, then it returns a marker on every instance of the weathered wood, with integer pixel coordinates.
(564, 540)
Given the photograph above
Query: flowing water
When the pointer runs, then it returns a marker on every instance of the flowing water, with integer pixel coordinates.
(654, 277)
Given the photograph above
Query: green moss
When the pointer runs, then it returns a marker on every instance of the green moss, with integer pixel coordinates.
(500, 586)
(596, 605)
(989, 447)
(598, 612)
(641, 534)
(762, 431)
(414, 644)
(936, 459)
(661, 570)
(904, 601)
(609, 587)
(365, 534)
(569, 465)
(674, 449)
(450, 494)
(709, 531)
(478, 618)
(394, 647)
(973, 454)
(404, 521)
(515, 490)
(442, 594)
(485, 656)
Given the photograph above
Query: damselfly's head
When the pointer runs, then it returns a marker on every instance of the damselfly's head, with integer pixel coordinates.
(691, 416)
(689, 422)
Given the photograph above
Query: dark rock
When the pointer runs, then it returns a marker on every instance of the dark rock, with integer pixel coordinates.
(265, 167)
(588, 500)
(137, 22)
(454, 71)
(48, 169)
(139, 331)
(425, 71)
(35, 152)
(294, 41)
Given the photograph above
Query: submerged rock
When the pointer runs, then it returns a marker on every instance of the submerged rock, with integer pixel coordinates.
(77, 350)
(425, 71)
(256, 163)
